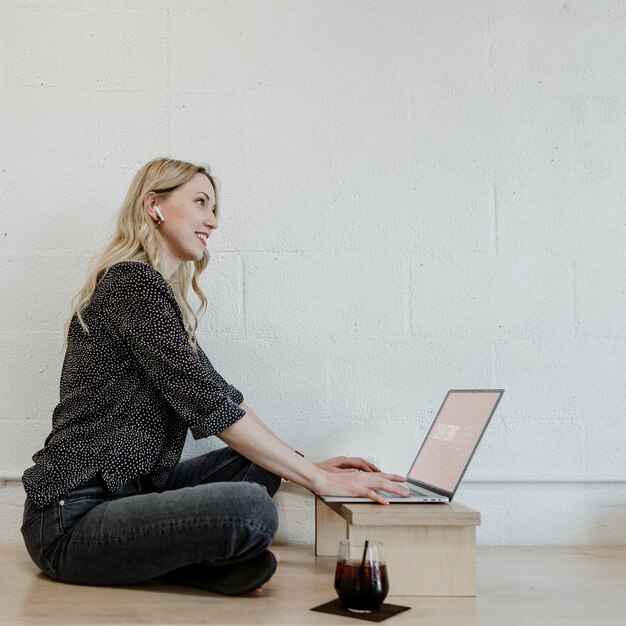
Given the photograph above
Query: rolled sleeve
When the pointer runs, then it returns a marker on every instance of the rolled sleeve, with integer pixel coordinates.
(142, 310)
(230, 390)
(225, 415)
(235, 394)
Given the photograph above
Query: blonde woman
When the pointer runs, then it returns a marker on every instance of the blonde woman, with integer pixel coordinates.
(108, 500)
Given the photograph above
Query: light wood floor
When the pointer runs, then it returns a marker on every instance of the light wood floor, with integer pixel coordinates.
(532, 586)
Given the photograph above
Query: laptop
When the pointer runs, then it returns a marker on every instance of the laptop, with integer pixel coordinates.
(447, 450)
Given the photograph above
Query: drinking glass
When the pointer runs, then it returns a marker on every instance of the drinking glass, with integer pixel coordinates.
(361, 576)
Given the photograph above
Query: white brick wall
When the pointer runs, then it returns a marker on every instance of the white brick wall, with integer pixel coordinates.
(416, 196)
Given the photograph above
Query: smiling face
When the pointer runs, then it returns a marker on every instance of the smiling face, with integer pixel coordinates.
(189, 221)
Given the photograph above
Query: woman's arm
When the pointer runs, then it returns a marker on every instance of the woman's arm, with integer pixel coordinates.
(336, 464)
(250, 437)
(139, 308)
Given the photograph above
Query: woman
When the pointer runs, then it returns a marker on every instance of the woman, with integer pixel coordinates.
(108, 500)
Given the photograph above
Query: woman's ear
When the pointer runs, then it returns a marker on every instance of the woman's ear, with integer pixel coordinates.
(153, 210)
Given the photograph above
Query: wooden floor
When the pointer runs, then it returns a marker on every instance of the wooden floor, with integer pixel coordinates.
(531, 586)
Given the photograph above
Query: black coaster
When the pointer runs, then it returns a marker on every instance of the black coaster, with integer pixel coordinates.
(386, 610)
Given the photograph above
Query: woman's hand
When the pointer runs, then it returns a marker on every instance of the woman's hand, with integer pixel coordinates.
(347, 464)
(338, 482)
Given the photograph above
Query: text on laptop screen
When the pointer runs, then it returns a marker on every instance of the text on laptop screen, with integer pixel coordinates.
(453, 437)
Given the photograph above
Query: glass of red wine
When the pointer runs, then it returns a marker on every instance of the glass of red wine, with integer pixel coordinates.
(361, 576)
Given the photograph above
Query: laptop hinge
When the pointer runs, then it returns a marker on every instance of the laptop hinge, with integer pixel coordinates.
(429, 489)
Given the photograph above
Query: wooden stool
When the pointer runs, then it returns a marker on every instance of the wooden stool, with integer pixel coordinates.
(430, 549)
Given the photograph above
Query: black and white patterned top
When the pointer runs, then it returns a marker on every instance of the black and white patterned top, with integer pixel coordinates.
(129, 390)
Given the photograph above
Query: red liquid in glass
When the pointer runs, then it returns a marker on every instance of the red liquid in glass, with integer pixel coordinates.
(361, 589)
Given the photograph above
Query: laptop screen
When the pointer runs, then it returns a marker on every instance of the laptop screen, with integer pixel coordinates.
(453, 437)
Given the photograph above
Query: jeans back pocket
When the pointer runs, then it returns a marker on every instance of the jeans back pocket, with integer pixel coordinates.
(32, 531)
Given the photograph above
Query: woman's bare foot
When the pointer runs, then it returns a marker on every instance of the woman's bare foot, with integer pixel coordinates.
(276, 554)
(259, 590)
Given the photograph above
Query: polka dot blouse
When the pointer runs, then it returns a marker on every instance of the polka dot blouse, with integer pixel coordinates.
(129, 390)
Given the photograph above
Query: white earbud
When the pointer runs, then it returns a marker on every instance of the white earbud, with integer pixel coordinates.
(158, 211)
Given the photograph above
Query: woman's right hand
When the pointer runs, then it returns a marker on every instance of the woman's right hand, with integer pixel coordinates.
(361, 485)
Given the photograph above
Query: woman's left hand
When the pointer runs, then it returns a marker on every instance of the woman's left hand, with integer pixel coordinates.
(347, 464)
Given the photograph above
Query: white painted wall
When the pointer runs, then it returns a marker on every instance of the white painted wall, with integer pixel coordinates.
(416, 196)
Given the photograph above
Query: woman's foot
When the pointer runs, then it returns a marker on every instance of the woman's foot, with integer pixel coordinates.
(259, 590)
(231, 579)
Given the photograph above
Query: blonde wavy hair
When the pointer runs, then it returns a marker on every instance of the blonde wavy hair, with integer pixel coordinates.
(134, 239)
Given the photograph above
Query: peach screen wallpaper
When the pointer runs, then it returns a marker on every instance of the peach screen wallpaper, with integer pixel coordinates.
(453, 437)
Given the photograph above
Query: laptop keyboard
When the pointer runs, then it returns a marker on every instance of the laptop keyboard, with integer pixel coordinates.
(414, 492)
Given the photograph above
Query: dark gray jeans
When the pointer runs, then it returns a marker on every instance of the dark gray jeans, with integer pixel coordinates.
(216, 508)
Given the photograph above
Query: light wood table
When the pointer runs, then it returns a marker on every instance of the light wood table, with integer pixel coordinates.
(430, 549)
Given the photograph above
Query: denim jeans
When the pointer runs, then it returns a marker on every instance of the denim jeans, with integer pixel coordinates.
(215, 509)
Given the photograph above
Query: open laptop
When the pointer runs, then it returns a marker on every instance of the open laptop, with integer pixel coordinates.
(447, 450)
